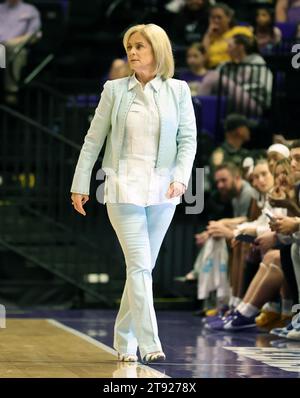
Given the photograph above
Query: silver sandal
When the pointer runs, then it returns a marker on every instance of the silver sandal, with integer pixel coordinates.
(154, 357)
(127, 357)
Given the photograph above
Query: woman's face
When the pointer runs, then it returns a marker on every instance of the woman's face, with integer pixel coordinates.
(219, 20)
(262, 178)
(232, 49)
(282, 177)
(194, 58)
(273, 157)
(263, 18)
(140, 53)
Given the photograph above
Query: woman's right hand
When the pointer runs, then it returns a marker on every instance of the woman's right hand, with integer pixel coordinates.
(78, 201)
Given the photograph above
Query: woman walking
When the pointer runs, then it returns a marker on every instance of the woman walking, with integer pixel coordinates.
(148, 121)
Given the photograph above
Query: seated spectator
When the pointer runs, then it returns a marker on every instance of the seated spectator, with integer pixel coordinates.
(283, 186)
(249, 88)
(191, 22)
(269, 278)
(244, 258)
(287, 11)
(18, 21)
(119, 68)
(237, 134)
(267, 35)
(291, 256)
(196, 61)
(229, 183)
(221, 28)
(275, 153)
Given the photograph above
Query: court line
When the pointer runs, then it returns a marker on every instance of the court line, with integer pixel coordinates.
(98, 344)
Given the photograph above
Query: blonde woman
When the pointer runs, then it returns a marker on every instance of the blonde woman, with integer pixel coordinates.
(149, 123)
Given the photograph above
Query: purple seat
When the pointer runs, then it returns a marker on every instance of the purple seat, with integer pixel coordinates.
(209, 112)
(288, 29)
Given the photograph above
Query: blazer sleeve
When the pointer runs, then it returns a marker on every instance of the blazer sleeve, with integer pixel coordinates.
(186, 137)
(93, 141)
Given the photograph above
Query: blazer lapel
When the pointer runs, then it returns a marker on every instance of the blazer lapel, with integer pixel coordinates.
(126, 100)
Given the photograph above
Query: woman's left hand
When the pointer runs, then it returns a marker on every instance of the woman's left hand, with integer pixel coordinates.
(175, 189)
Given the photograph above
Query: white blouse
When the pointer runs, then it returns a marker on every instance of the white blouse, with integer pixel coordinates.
(137, 182)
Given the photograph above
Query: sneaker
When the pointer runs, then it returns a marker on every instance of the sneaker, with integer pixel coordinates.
(239, 322)
(294, 334)
(267, 318)
(212, 313)
(282, 332)
(223, 311)
(219, 323)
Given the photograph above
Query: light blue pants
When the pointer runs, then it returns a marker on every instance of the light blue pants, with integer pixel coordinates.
(140, 231)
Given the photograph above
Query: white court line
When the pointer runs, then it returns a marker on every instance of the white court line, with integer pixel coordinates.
(280, 358)
(98, 344)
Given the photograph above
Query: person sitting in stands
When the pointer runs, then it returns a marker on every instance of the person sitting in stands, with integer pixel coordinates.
(237, 134)
(267, 35)
(18, 21)
(196, 61)
(248, 85)
(221, 28)
(191, 22)
(230, 185)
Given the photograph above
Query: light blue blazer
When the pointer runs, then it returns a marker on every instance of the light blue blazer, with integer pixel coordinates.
(178, 133)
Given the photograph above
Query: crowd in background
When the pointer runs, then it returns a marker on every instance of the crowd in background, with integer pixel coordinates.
(249, 252)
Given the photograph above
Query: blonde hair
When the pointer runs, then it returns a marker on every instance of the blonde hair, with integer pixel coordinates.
(161, 46)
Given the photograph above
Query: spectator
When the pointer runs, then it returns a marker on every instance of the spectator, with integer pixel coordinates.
(269, 278)
(196, 61)
(190, 24)
(229, 184)
(275, 153)
(288, 11)
(221, 28)
(244, 260)
(18, 21)
(248, 87)
(118, 69)
(237, 134)
(267, 35)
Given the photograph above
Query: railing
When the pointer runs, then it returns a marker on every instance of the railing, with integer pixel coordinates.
(37, 218)
(248, 88)
(66, 115)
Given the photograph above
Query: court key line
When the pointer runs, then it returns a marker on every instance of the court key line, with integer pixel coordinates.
(98, 344)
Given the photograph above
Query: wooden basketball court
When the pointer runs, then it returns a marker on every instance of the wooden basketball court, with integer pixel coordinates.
(44, 348)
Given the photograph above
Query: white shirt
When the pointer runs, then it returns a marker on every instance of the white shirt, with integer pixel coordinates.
(137, 182)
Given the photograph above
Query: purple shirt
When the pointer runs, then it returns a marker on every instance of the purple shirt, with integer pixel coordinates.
(189, 76)
(18, 20)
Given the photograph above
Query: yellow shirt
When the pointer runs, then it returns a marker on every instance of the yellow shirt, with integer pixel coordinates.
(217, 51)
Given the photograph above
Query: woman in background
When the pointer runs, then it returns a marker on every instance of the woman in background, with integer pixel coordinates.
(267, 35)
(221, 28)
(196, 62)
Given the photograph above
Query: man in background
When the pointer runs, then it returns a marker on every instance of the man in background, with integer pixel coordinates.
(18, 22)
